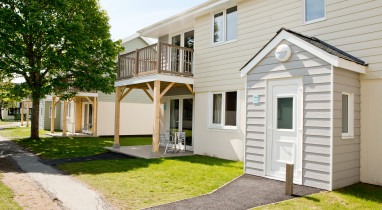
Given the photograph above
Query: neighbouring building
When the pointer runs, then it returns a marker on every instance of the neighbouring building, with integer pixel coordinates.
(92, 112)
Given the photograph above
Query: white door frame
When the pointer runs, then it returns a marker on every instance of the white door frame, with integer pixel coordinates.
(83, 113)
(298, 106)
(180, 125)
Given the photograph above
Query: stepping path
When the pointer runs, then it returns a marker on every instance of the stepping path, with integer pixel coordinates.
(70, 193)
(245, 192)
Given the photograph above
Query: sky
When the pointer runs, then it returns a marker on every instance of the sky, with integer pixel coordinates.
(126, 17)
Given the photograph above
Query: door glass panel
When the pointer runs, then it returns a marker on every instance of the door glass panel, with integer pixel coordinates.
(187, 120)
(285, 113)
(175, 59)
(189, 39)
(174, 115)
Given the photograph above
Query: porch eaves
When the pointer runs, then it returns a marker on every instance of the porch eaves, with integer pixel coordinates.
(183, 19)
(154, 77)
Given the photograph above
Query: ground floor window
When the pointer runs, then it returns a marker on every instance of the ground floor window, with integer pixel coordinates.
(224, 109)
(13, 111)
(347, 115)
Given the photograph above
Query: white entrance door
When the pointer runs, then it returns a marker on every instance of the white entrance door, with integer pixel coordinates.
(284, 127)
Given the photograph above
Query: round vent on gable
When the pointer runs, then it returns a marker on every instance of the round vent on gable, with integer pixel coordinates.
(283, 53)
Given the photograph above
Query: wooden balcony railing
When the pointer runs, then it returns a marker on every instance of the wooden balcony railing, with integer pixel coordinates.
(155, 59)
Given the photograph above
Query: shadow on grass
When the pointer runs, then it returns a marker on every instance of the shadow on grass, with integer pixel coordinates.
(125, 165)
(54, 148)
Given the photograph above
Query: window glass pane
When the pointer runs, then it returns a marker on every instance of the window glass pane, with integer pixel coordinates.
(174, 115)
(217, 109)
(231, 23)
(345, 113)
(285, 113)
(218, 27)
(176, 40)
(189, 39)
(175, 55)
(314, 9)
(230, 108)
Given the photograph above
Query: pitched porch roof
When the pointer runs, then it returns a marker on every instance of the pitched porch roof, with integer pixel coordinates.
(317, 47)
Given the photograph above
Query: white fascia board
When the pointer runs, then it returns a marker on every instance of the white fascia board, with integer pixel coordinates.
(155, 77)
(284, 35)
(87, 94)
(345, 64)
(197, 10)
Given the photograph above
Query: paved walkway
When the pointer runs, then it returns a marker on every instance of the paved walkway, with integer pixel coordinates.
(70, 193)
(243, 193)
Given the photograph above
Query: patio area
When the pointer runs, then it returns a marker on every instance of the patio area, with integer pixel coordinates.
(144, 151)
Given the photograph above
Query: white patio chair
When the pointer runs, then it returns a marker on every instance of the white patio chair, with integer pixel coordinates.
(181, 140)
(166, 139)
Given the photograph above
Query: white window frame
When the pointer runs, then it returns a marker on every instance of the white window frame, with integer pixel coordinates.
(50, 112)
(222, 125)
(225, 27)
(315, 20)
(350, 133)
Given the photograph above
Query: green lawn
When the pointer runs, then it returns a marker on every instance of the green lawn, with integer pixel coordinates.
(52, 148)
(19, 132)
(140, 183)
(5, 123)
(6, 198)
(358, 196)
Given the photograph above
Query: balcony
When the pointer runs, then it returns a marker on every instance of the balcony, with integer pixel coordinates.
(159, 58)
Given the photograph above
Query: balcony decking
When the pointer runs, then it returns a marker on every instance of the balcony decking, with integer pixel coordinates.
(158, 58)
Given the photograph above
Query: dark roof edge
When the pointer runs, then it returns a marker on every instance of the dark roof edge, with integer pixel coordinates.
(314, 39)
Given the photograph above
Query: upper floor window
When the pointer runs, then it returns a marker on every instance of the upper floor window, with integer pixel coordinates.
(225, 26)
(314, 10)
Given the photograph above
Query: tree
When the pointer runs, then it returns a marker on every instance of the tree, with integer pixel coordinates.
(47, 42)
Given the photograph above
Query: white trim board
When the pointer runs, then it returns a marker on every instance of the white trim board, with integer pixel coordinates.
(154, 77)
(284, 35)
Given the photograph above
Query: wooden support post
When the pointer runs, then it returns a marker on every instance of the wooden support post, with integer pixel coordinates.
(136, 62)
(78, 116)
(22, 113)
(155, 143)
(148, 94)
(95, 113)
(167, 89)
(27, 114)
(65, 115)
(159, 50)
(117, 117)
(289, 179)
(190, 88)
(52, 114)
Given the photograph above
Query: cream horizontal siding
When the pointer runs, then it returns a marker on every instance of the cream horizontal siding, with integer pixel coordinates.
(135, 96)
(133, 44)
(346, 158)
(317, 109)
(353, 26)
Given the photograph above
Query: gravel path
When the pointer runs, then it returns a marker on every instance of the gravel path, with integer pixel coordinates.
(69, 192)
